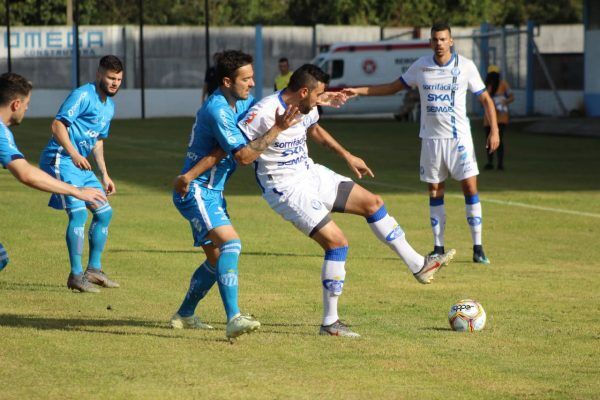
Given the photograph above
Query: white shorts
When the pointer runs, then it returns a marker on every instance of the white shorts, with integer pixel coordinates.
(438, 156)
(308, 202)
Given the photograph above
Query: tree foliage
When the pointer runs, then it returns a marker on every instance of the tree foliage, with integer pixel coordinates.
(300, 12)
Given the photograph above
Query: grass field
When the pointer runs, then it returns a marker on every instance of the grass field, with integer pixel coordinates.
(541, 292)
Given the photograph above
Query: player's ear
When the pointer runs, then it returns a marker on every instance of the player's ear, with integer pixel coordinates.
(227, 82)
(304, 92)
(15, 104)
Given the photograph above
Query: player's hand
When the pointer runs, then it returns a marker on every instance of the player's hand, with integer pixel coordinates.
(359, 167)
(493, 140)
(90, 195)
(332, 99)
(350, 92)
(287, 119)
(81, 162)
(181, 185)
(108, 185)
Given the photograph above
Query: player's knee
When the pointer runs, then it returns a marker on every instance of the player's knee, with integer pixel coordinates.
(375, 203)
(103, 214)
(231, 246)
(78, 216)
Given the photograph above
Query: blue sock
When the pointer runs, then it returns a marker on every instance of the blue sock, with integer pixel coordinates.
(227, 276)
(3, 257)
(98, 234)
(75, 237)
(202, 280)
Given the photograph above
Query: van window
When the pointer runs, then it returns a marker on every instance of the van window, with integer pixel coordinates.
(337, 69)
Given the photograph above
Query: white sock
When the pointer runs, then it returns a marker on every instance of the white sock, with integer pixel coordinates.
(437, 214)
(474, 217)
(332, 276)
(389, 232)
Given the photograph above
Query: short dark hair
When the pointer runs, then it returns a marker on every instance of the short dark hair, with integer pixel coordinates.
(441, 26)
(12, 86)
(283, 59)
(229, 62)
(111, 63)
(307, 76)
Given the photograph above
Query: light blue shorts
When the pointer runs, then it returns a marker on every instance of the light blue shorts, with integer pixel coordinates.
(205, 209)
(67, 172)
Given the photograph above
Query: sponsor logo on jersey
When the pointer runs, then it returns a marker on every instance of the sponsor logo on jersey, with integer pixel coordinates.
(439, 109)
(474, 221)
(394, 234)
(438, 97)
(75, 106)
(291, 143)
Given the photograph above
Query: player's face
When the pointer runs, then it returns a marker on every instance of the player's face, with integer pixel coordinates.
(441, 42)
(19, 107)
(243, 82)
(109, 82)
(284, 67)
(310, 98)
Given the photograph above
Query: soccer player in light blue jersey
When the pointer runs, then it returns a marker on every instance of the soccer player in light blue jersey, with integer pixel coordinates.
(199, 196)
(80, 127)
(15, 93)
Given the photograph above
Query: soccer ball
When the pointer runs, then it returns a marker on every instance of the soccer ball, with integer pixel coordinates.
(467, 315)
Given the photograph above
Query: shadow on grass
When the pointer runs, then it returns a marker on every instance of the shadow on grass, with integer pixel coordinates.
(246, 253)
(87, 325)
(437, 329)
(32, 287)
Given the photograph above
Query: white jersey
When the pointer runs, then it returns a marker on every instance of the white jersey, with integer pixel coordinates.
(286, 160)
(443, 91)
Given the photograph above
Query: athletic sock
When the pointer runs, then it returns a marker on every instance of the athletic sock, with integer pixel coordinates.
(98, 234)
(474, 217)
(333, 275)
(202, 280)
(75, 237)
(437, 214)
(389, 232)
(227, 276)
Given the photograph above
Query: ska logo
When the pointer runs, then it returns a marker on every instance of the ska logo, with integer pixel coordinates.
(434, 222)
(474, 221)
(438, 97)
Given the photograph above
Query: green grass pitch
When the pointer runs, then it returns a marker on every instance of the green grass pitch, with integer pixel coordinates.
(541, 293)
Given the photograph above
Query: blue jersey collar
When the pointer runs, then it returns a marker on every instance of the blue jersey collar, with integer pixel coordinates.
(448, 63)
(279, 96)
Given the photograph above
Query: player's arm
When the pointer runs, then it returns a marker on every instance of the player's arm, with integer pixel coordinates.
(386, 89)
(356, 164)
(509, 97)
(181, 184)
(98, 152)
(247, 154)
(61, 134)
(38, 179)
(493, 139)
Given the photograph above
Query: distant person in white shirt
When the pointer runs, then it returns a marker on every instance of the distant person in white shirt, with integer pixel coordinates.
(447, 145)
(305, 193)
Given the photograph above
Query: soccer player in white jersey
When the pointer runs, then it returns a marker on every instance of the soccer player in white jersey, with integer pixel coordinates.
(447, 145)
(305, 193)
(15, 93)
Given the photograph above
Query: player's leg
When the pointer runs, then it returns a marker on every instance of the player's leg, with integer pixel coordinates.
(333, 274)
(97, 236)
(474, 218)
(3, 257)
(194, 208)
(230, 247)
(75, 237)
(202, 280)
(434, 171)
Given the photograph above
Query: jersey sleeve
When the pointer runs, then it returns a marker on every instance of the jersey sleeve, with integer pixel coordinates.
(105, 127)
(313, 117)
(476, 85)
(73, 106)
(409, 78)
(8, 149)
(226, 131)
(256, 123)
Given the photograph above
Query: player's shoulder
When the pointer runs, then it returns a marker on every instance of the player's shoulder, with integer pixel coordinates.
(271, 101)
(466, 61)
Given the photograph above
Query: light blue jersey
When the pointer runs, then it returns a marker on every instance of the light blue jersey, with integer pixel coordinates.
(216, 125)
(8, 148)
(87, 119)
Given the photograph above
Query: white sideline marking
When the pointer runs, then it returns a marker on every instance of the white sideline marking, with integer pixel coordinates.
(495, 201)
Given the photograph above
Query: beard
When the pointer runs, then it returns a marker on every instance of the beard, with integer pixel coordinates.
(104, 88)
(304, 106)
